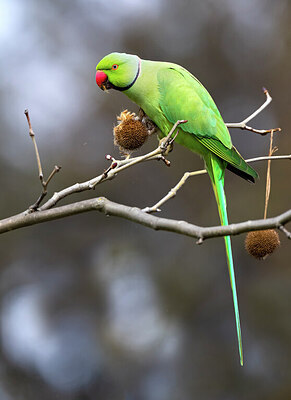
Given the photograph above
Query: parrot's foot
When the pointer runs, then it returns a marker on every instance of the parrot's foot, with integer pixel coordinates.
(166, 145)
(150, 125)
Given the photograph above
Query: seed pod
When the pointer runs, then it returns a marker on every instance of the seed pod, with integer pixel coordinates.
(130, 133)
(260, 244)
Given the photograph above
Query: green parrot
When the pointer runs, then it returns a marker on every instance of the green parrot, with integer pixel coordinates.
(167, 92)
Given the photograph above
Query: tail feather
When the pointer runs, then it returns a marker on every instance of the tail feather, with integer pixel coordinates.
(216, 168)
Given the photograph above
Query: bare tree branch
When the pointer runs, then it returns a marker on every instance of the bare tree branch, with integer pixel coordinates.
(243, 124)
(136, 215)
(46, 212)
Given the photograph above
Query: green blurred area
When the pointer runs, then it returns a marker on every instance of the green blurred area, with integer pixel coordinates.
(95, 307)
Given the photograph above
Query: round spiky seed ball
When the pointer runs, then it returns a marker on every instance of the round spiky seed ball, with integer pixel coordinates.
(130, 134)
(260, 244)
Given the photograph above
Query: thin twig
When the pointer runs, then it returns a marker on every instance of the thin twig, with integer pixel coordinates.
(243, 124)
(262, 132)
(173, 191)
(268, 178)
(44, 183)
(285, 157)
(285, 231)
(32, 135)
(51, 175)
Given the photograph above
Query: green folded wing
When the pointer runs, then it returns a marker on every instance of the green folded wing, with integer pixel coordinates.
(182, 96)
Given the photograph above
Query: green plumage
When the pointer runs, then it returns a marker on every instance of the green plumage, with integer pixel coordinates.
(167, 92)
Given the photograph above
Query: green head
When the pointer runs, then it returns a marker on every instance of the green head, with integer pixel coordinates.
(118, 71)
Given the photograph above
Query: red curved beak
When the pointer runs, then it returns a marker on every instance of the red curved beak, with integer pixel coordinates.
(101, 78)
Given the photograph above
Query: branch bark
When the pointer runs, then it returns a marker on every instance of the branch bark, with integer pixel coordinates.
(136, 215)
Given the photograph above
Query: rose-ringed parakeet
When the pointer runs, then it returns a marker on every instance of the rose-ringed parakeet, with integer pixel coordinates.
(167, 92)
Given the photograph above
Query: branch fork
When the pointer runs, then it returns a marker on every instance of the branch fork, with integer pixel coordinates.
(243, 124)
(44, 183)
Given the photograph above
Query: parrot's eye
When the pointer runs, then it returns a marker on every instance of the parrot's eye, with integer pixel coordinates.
(114, 66)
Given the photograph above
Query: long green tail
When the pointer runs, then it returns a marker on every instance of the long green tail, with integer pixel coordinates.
(216, 167)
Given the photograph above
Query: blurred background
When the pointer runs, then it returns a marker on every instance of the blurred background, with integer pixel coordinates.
(100, 308)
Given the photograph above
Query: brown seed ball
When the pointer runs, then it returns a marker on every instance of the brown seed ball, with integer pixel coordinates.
(130, 134)
(260, 244)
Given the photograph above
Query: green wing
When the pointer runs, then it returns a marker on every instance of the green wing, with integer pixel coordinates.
(182, 96)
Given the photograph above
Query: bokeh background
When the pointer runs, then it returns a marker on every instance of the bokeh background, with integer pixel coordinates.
(100, 308)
